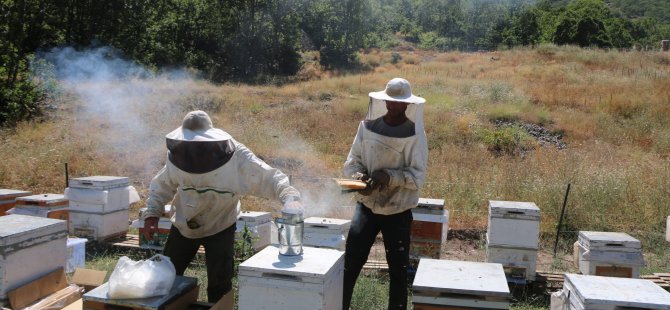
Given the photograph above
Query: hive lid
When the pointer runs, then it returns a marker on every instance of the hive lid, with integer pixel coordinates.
(43, 200)
(616, 292)
(254, 217)
(7, 194)
(15, 228)
(312, 266)
(460, 277)
(513, 209)
(431, 204)
(181, 286)
(324, 223)
(594, 240)
(99, 182)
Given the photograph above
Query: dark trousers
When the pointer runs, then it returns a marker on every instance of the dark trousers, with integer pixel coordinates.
(219, 251)
(395, 230)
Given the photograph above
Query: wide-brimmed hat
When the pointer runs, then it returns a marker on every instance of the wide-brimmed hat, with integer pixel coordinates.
(197, 126)
(397, 89)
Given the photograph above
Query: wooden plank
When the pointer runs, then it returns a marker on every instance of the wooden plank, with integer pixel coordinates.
(37, 289)
(133, 241)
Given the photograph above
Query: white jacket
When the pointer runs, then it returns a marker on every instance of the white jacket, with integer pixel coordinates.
(404, 159)
(211, 199)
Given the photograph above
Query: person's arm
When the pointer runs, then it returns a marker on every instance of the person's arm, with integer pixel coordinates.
(260, 179)
(161, 191)
(353, 166)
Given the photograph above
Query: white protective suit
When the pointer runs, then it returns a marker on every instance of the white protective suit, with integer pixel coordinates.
(403, 159)
(209, 194)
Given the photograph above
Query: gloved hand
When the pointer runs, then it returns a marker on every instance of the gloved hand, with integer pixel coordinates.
(150, 227)
(293, 206)
(361, 176)
(379, 179)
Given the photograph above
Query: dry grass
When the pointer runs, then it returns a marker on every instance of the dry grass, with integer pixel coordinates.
(612, 108)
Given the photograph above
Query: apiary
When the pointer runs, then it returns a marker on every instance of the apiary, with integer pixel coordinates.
(447, 284)
(313, 280)
(429, 230)
(258, 224)
(611, 293)
(30, 247)
(324, 232)
(99, 206)
(613, 254)
(8, 199)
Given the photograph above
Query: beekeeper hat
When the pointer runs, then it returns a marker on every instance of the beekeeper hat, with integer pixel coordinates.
(197, 126)
(397, 89)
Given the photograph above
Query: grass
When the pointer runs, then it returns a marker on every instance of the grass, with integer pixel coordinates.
(611, 108)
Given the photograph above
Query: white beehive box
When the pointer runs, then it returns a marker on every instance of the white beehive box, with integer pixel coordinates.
(98, 194)
(8, 198)
(326, 232)
(430, 227)
(609, 254)
(313, 280)
(609, 293)
(513, 224)
(30, 247)
(519, 264)
(97, 226)
(459, 284)
(42, 200)
(259, 225)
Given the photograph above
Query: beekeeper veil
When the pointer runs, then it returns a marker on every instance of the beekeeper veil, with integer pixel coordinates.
(397, 89)
(198, 147)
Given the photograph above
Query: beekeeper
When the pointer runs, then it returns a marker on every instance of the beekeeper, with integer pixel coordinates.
(205, 175)
(389, 152)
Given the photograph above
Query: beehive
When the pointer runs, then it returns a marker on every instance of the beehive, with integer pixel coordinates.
(99, 206)
(30, 247)
(512, 238)
(184, 291)
(258, 225)
(8, 199)
(610, 293)
(309, 281)
(613, 254)
(326, 232)
(430, 227)
(55, 206)
(446, 284)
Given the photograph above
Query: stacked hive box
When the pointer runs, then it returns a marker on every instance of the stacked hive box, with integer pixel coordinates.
(512, 238)
(309, 281)
(609, 293)
(8, 199)
(612, 254)
(323, 232)
(445, 284)
(30, 247)
(99, 207)
(54, 206)
(258, 224)
(429, 228)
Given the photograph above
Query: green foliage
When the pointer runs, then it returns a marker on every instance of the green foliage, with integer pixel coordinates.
(510, 140)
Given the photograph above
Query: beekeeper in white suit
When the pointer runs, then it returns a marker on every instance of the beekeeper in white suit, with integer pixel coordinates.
(389, 152)
(205, 175)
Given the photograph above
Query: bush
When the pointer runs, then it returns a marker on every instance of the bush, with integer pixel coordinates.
(507, 140)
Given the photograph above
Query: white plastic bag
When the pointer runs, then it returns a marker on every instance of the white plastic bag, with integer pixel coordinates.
(141, 279)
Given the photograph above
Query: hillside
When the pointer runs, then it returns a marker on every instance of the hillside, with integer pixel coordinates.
(658, 9)
(515, 125)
